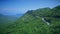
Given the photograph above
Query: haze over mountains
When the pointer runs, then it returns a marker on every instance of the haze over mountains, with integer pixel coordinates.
(8, 18)
(29, 16)
(31, 22)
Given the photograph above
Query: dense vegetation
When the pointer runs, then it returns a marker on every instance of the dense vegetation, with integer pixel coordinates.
(4, 21)
(32, 23)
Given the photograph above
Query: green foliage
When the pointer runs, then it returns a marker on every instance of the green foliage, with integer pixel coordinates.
(32, 23)
(5, 21)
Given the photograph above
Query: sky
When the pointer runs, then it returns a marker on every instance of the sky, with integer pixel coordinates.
(12, 7)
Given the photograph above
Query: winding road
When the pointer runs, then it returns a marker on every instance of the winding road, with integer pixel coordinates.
(45, 21)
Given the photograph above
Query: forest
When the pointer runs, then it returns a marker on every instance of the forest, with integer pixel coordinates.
(33, 22)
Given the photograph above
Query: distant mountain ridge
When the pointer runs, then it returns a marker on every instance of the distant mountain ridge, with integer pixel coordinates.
(32, 22)
(7, 18)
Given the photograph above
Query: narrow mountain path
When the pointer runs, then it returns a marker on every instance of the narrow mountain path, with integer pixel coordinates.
(45, 21)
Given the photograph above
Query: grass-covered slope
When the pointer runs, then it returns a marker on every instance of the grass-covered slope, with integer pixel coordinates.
(32, 23)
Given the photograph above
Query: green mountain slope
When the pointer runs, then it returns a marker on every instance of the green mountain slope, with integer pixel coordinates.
(32, 22)
(4, 21)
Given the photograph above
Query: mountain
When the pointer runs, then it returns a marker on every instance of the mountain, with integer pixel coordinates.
(6, 18)
(19, 15)
(39, 21)
(9, 18)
